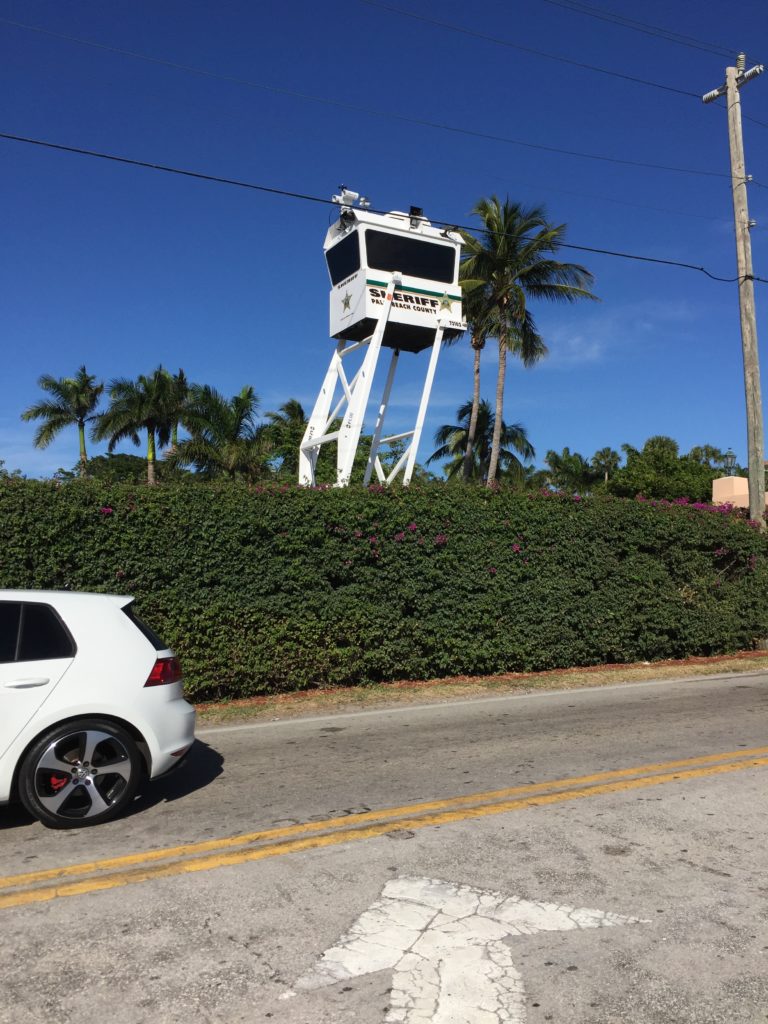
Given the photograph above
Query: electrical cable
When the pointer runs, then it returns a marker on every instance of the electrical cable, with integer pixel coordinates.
(327, 202)
(540, 53)
(600, 199)
(600, 13)
(163, 167)
(525, 49)
(387, 114)
(718, 105)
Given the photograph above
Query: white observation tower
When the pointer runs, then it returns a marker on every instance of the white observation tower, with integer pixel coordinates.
(394, 284)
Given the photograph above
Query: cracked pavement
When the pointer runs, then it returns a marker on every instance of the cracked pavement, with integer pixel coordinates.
(487, 926)
(445, 946)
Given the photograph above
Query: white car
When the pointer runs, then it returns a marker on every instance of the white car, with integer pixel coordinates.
(90, 703)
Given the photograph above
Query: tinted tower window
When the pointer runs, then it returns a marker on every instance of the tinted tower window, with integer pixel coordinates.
(344, 259)
(411, 256)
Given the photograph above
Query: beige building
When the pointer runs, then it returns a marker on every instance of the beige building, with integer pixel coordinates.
(732, 490)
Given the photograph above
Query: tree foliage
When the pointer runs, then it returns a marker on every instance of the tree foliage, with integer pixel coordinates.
(511, 262)
(569, 471)
(225, 439)
(658, 470)
(147, 404)
(265, 589)
(73, 402)
(453, 443)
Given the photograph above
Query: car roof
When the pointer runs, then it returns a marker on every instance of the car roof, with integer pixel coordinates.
(61, 598)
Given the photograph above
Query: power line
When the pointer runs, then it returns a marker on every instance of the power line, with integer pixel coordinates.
(163, 167)
(327, 202)
(602, 199)
(526, 49)
(717, 105)
(548, 56)
(601, 14)
(387, 114)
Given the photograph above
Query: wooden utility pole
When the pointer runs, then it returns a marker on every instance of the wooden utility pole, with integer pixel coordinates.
(735, 78)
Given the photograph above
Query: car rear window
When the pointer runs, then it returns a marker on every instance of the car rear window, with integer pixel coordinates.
(150, 634)
(43, 636)
(10, 613)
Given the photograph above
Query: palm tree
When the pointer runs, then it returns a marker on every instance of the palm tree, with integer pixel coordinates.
(569, 471)
(511, 261)
(225, 439)
(284, 432)
(480, 328)
(707, 455)
(453, 442)
(144, 404)
(606, 461)
(178, 400)
(73, 401)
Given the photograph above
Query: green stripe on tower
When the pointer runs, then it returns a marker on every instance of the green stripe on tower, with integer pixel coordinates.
(415, 291)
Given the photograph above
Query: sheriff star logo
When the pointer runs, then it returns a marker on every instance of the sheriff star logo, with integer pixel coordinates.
(346, 300)
(445, 302)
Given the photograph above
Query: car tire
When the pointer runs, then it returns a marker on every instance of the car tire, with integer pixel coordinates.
(81, 773)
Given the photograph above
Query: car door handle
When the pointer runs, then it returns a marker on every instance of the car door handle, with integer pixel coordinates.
(27, 684)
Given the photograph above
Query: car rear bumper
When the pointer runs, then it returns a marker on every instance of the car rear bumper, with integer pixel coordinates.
(174, 735)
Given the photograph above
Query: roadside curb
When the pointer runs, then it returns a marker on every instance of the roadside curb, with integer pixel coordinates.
(289, 706)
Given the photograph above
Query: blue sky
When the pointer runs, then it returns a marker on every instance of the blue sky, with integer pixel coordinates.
(122, 268)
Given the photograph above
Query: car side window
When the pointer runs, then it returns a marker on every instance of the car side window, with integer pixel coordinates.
(43, 636)
(10, 613)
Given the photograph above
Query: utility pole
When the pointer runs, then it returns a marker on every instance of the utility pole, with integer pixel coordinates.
(735, 78)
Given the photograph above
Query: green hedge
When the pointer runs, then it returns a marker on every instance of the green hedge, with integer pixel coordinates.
(284, 589)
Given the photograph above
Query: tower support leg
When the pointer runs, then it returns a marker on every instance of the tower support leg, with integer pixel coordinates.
(356, 394)
(373, 458)
(352, 424)
(316, 426)
(428, 381)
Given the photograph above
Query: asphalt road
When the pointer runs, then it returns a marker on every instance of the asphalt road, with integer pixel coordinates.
(216, 898)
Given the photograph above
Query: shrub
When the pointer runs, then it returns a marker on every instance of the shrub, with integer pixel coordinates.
(272, 589)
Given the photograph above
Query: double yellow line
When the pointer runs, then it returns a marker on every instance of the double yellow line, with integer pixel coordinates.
(78, 879)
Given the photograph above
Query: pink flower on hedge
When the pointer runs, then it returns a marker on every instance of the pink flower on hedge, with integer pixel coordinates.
(516, 548)
(373, 540)
(492, 570)
(441, 539)
(399, 536)
(106, 510)
(412, 527)
(358, 533)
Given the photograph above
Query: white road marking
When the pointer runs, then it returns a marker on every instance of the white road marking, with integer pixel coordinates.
(445, 945)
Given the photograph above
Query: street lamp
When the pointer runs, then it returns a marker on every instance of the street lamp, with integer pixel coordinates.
(730, 462)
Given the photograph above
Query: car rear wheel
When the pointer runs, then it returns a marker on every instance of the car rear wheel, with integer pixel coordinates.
(81, 773)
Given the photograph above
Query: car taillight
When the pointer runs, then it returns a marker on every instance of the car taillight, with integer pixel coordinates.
(165, 670)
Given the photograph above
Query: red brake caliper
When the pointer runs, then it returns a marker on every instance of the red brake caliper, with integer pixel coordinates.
(58, 782)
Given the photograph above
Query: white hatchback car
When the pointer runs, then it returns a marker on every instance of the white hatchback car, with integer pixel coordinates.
(90, 702)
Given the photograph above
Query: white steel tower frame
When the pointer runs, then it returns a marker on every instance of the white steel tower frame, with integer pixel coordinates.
(394, 285)
(355, 396)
